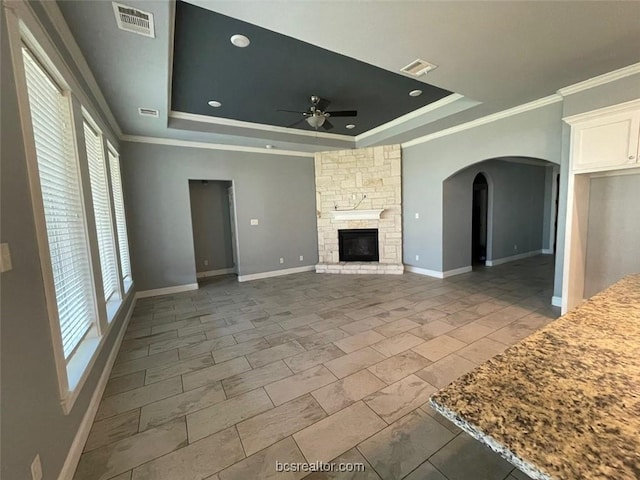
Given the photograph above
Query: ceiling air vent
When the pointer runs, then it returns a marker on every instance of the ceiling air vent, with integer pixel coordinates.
(133, 20)
(418, 67)
(148, 112)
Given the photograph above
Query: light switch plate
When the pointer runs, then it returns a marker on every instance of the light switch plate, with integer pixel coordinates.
(254, 221)
(5, 258)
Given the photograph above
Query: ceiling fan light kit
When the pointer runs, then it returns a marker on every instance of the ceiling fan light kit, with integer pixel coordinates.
(317, 116)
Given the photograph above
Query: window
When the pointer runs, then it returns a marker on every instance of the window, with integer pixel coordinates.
(121, 224)
(102, 209)
(60, 186)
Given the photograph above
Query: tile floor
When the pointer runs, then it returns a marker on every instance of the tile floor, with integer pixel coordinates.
(223, 382)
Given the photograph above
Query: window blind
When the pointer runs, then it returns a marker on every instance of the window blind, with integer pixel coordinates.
(101, 210)
(121, 223)
(63, 208)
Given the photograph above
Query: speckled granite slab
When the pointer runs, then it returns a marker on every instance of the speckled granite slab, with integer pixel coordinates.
(565, 402)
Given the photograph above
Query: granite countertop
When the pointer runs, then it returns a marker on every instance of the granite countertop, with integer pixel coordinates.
(564, 403)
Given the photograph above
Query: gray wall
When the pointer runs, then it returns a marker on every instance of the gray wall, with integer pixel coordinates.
(516, 196)
(276, 190)
(613, 233)
(32, 418)
(612, 93)
(534, 134)
(211, 224)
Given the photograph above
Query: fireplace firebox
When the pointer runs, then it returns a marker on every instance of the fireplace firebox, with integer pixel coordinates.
(358, 245)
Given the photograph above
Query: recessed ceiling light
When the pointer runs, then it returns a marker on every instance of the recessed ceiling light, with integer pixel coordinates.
(350, 126)
(214, 103)
(269, 146)
(240, 40)
(415, 93)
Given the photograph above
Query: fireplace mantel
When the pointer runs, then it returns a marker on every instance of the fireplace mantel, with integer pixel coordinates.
(356, 214)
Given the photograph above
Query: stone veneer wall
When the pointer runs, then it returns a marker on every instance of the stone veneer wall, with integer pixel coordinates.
(342, 179)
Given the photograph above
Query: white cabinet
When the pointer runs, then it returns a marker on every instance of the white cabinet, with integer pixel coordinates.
(606, 139)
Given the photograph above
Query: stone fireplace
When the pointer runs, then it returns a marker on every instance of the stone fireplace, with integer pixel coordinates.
(359, 192)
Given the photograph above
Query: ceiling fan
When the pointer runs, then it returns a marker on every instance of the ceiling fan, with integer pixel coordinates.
(317, 116)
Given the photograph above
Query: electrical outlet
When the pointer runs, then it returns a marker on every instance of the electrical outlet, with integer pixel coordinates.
(301, 258)
(281, 260)
(417, 257)
(254, 221)
(206, 263)
(417, 215)
(36, 468)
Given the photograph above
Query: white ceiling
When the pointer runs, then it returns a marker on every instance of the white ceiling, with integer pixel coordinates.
(498, 54)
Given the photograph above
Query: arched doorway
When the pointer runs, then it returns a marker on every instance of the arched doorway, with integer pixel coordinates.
(479, 220)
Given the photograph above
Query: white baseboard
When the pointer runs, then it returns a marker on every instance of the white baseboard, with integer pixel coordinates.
(215, 273)
(547, 251)
(77, 446)
(166, 290)
(556, 301)
(457, 271)
(275, 273)
(520, 256)
(437, 274)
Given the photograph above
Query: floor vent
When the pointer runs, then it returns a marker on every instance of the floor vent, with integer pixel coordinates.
(418, 67)
(133, 20)
(148, 112)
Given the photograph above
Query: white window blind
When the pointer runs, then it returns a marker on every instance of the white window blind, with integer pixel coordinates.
(101, 210)
(121, 223)
(63, 208)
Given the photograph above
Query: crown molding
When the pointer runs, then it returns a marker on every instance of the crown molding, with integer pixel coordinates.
(631, 105)
(213, 146)
(601, 80)
(410, 116)
(256, 126)
(541, 102)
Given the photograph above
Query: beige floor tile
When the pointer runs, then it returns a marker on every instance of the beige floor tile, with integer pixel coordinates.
(351, 363)
(358, 341)
(338, 433)
(400, 398)
(362, 325)
(511, 334)
(172, 343)
(461, 318)
(500, 318)
(399, 366)
(159, 359)
(429, 315)
(233, 351)
(446, 370)
(217, 332)
(146, 340)
(136, 398)
(311, 358)
(206, 346)
(432, 329)
(289, 335)
(484, 308)
(112, 429)
(322, 338)
(257, 333)
(426, 471)
(299, 321)
(482, 350)
(330, 323)
(470, 332)
(445, 422)
(195, 461)
(167, 327)
(269, 355)
(124, 383)
(123, 476)
(396, 327)
(439, 347)
(258, 377)
(118, 457)
(399, 343)
(161, 411)
(304, 382)
(352, 456)
(262, 465)
(181, 367)
(212, 419)
(340, 394)
(128, 355)
(267, 428)
(208, 375)
(404, 445)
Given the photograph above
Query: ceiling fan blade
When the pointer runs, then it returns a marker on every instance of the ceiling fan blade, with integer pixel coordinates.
(296, 123)
(344, 113)
(322, 104)
(327, 125)
(291, 111)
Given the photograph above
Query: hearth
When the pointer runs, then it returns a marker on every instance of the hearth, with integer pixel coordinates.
(358, 245)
